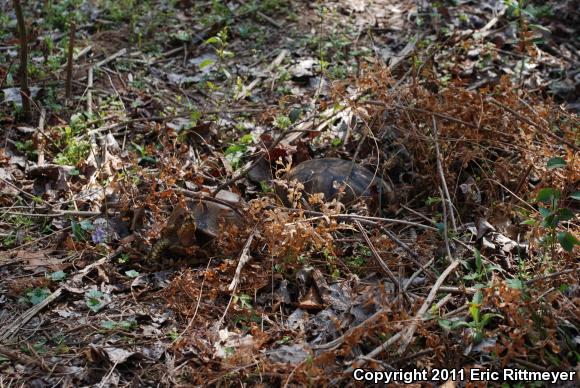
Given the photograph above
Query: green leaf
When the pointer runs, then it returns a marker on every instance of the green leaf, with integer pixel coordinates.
(205, 63)
(474, 306)
(551, 221)
(109, 325)
(247, 139)
(432, 201)
(547, 195)
(564, 214)
(235, 148)
(556, 162)
(567, 241)
(295, 114)
(124, 258)
(563, 288)
(94, 304)
(471, 276)
(487, 317)
(127, 325)
(515, 284)
(132, 273)
(575, 195)
(478, 262)
(93, 300)
(214, 40)
(38, 295)
(448, 324)
(474, 311)
(494, 267)
(477, 298)
(445, 324)
(87, 225)
(544, 211)
(540, 27)
(77, 231)
(529, 222)
(57, 276)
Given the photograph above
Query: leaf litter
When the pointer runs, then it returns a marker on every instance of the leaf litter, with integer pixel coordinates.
(456, 106)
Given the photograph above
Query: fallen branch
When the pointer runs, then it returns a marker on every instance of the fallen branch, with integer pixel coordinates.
(410, 331)
(405, 335)
(244, 258)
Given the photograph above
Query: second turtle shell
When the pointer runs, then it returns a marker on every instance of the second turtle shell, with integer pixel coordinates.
(327, 174)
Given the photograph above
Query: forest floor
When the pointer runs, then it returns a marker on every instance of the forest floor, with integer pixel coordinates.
(466, 109)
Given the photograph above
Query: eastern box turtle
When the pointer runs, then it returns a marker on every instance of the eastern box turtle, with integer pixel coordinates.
(201, 222)
(326, 175)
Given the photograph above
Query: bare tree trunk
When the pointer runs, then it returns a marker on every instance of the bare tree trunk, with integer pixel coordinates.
(69, 64)
(23, 71)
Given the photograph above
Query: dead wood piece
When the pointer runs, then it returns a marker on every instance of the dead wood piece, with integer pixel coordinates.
(410, 331)
(41, 144)
(406, 335)
(244, 258)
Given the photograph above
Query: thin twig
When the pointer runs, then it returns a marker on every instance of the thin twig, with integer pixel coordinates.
(531, 123)
(406, 334)
(379, 259)
(442, 175)
(367, 220)
(445, 227)
(27, 360)
(190, 323)
(420, 110)
(552, 275)
(73, 213)
(41, 144)
(244, 258)
(247, 89)
(90, 92)
(413, 256)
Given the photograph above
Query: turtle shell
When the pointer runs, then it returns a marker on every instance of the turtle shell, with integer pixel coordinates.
(202, 221)
(326, 175)
(211, 217)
